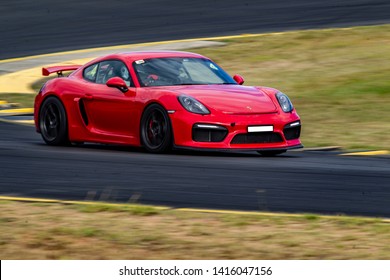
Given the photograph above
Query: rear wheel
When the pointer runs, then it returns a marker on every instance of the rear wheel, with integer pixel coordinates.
(156, 131)
(271, 153)
(53, 123)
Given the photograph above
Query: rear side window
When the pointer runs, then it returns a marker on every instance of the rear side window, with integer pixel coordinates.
(90, 72)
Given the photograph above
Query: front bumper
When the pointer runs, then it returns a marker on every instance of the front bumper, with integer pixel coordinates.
(237, 137)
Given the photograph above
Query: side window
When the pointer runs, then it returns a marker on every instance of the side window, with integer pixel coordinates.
(90, 73)
(112, 68)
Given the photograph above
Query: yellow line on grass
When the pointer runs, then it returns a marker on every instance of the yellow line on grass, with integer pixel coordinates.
(269, 214)
(21, 81)
(11, 198)
(191, 210)
(73, 202)
(368, 153)
(28, 122)
(20, 122)
(17, 111)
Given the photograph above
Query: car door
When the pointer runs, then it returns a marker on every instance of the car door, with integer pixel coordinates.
(110, 112)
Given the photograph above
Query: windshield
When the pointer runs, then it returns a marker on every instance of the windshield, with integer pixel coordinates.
(174, 71)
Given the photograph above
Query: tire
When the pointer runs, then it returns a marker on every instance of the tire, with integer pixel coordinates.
(53, 122)
(271, 153)
(156, 130)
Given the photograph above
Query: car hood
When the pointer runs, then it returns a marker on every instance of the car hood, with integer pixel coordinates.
(230, 99)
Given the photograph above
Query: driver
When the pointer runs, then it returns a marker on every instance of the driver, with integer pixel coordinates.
(125, 75)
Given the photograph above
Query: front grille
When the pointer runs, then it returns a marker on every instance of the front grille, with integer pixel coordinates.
(208, 134)
(257, 137)
(292, 132)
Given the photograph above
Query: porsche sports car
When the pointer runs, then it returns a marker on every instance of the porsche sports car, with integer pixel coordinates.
(163, 100)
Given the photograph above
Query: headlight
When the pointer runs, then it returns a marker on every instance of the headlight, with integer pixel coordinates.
(284, 102)
(192, 105)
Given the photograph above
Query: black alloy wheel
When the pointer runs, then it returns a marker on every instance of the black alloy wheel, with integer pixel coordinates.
(156, 131)
(53, 122)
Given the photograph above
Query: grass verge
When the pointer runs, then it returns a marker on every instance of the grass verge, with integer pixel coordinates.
(26, 100)
(57, 231)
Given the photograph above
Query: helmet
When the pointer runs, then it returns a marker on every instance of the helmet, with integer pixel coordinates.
(124, 73)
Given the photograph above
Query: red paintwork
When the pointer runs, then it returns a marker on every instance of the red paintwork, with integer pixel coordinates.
(46, 71)
(114, 116)
(238, 79)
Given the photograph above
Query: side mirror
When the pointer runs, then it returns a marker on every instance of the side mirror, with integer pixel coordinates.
(239, 79)
(118, 83)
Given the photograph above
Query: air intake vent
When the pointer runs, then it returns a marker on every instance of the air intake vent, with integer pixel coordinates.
(292, 131)
(257, 138)
(208, 133)
(83, 113)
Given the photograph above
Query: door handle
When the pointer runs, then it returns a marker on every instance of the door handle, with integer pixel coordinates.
(88, 96)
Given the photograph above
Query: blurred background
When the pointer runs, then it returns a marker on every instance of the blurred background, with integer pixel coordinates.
(33, 27)
(331, 58)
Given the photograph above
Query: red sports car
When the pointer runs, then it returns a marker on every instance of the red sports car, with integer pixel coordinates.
(163, 100)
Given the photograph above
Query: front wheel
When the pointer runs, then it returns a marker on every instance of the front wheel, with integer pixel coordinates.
(156, 131)
(271, 153)
(53, 123)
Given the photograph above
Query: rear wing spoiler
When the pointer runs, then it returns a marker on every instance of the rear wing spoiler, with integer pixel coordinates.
(46, 71)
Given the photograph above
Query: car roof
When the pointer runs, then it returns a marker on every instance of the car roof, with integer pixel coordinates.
(139, 55)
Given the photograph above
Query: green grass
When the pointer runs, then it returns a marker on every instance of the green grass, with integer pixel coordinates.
(133, 209)
(36, 86)
(26, 100)
(59, 231)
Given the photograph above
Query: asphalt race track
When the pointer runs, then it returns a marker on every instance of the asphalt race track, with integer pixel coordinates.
(41, 26)
(318, 182)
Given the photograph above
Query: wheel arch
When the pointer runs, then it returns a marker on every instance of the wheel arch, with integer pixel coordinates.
(63, 139)
(57, 96)
(147, 105)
